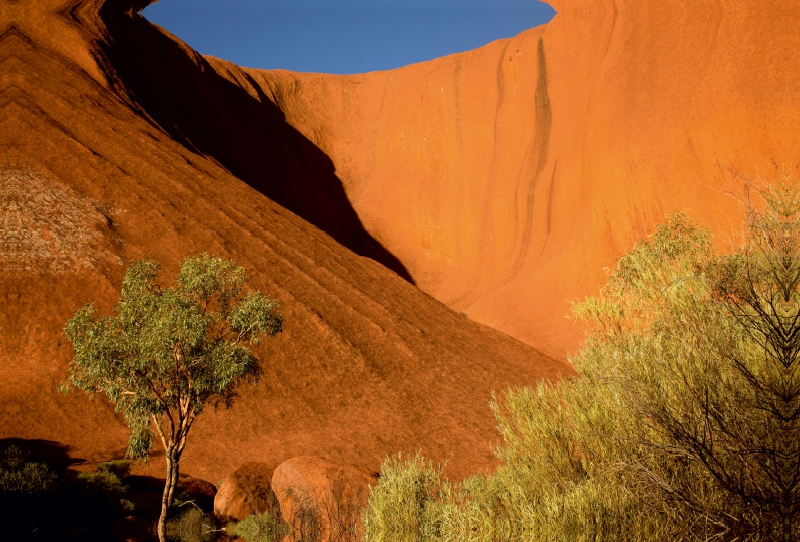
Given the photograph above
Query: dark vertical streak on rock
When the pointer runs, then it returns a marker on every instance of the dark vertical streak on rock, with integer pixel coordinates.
(550, 198)
(539, 149)
(458, 107)
(544, 115)
(501, 93)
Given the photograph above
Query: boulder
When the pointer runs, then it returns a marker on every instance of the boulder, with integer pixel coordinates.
(246, 491)
(322, 499)
(201, 492)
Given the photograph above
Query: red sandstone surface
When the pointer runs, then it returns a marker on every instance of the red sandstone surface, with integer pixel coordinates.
(246, 491)
(118, 142)
(506, 178)
(317, 494)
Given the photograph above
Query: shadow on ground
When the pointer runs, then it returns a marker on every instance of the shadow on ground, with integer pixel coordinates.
(42, 498)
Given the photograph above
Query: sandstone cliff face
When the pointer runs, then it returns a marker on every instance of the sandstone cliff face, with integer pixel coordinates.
(505, 179)
(367, 365)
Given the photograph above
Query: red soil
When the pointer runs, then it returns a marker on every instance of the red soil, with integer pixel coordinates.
(98, 170)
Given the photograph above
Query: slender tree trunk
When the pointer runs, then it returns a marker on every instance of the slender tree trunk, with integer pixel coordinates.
(172, 458)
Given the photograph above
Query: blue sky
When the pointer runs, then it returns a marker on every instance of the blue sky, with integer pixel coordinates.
(342, 36)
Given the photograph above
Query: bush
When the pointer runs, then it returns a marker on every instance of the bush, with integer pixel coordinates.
(264, 527)
(683, 425)
(46, 501)
(118, 467)
(103, 489)
(192, 526)
(20, 477)
(405, 503)
(102, 482)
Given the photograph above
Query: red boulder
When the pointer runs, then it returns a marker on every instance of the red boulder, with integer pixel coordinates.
(246, 491)
(322, 499)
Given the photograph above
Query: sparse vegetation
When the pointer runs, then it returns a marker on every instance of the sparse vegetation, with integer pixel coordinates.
(18, 476)
(683, 425)
(106, 485)
(263, 527)
(192, 525)
(40, 499)
(168, 352)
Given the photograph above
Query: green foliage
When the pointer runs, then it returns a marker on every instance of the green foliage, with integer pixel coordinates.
(127, 506)
(403, 505)
(264, 527)
(118, 467)
(684, 423)
(103, 482)
(192, 526)
(105, 486)
(531, 497)
(45, 500)
(171, 349)
(168, 352)
(569, 450)
(707, 370)
(18, 476)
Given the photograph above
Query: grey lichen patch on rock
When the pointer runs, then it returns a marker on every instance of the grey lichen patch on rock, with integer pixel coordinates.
(47, 227)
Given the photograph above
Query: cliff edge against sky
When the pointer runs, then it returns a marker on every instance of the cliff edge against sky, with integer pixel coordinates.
(506, 178)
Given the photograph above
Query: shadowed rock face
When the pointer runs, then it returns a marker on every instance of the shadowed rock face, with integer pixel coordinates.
(506, 178)
(92, 178)
(247, 134)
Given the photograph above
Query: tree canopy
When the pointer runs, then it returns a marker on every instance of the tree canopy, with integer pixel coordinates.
(168, 352)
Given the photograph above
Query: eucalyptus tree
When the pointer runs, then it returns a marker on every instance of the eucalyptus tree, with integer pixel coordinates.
(166, 353)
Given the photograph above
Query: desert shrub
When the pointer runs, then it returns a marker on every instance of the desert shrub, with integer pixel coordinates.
(546, 489)
(405, 503)
(103, 490)
(44, 500)
(28, 490)
(192, 525)
(683, 425)
(118, 467)
(264, 527)
(21, 477)
(572, 454)
(102, 482)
